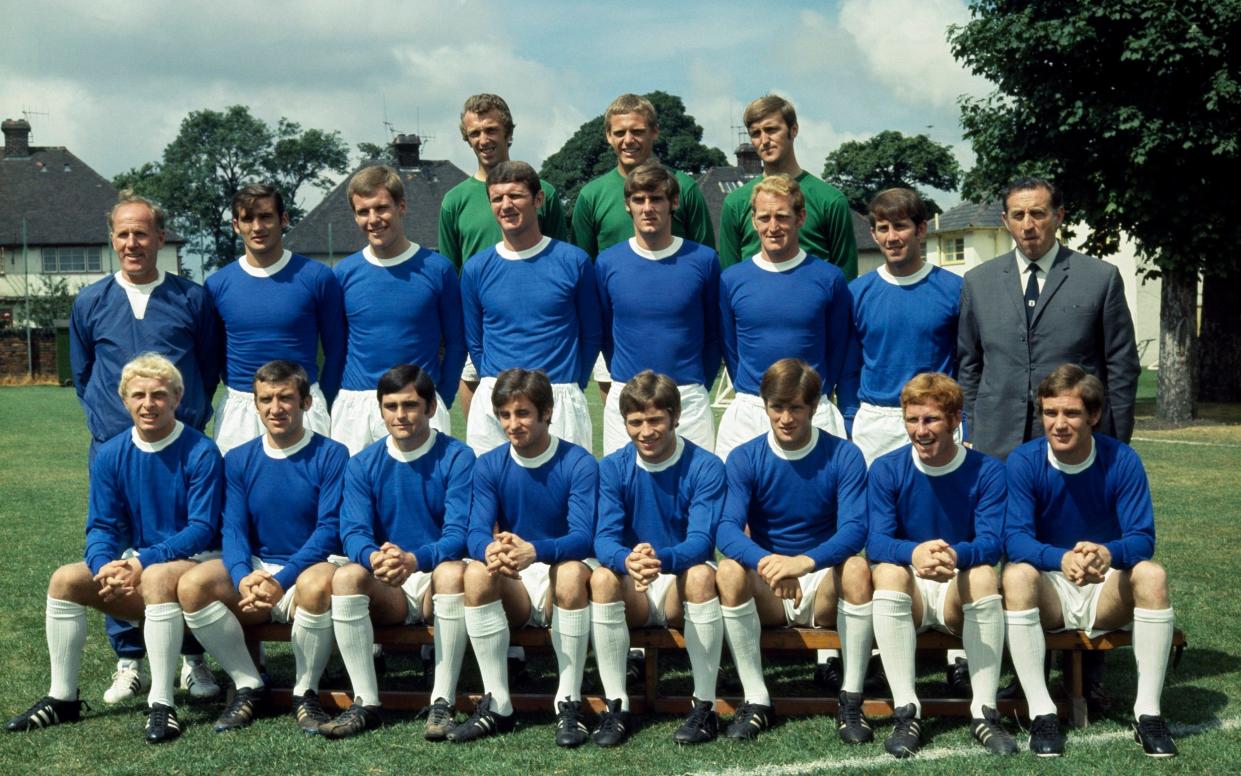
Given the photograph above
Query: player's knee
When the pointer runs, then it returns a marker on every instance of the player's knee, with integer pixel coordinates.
(1150, 585)
(1020, 582)
(448, 578)
(981, 581)
(477, 578)
(700, 583)
(605, 586)
(889, 576)
(350, 579)
(159, 583)
(855, 579)
(314, 590)
(731, 578)
(191, 593)
(68, 581)
(572, 579)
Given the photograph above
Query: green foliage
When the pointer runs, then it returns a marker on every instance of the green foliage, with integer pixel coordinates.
(863, 168)
(587, 154)
(373, 152)
(215, 154)
(52, 302)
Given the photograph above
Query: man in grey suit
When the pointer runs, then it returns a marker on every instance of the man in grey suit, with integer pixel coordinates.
(1027, 312)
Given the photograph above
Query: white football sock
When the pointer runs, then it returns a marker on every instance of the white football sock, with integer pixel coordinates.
(450, 643)
(218, 630)
(704, 640)
(488, 629)
(892, 612)
(611, 637)
(983, 637)
(355, 637)
(853, 623)
(1028, 648)
(162, 633)
(1152, 638)
(65, 623)
(570, 638)
(312, 646)
(743, 631)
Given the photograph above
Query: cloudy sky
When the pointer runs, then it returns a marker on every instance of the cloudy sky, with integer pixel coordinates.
(112, 81)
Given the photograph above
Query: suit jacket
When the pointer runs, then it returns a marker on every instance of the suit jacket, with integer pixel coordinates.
(1081, 318)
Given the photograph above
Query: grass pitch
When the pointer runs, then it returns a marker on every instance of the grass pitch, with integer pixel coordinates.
(43, 487)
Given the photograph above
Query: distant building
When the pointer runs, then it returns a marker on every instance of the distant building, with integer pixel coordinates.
(328, 233)
(57, 207)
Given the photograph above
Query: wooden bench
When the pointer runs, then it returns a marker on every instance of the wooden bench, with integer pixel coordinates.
(774, 641)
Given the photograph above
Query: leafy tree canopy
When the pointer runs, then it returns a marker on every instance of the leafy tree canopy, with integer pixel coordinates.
(863, 168)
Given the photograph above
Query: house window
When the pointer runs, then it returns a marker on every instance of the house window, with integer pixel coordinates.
(62, 260)
(952, 250)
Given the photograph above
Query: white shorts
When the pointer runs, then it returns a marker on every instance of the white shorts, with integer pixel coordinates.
(570, 418)
(468, 373)
(237, 420)
(802, 616)
(746, 418)
(880, 430)
(537, 579)
(1079, 605)
(657, 599)
(934, 594)
(283, 611)
(415, 588)
(697, 419)
(600, 373)
(357, 421)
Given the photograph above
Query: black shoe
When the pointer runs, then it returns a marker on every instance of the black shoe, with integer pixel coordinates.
(876, 683)
(571, 731)
(241, 710)
(441, 719)
(162, 724)
(1151, 731)
(634, 665)
(517, 673)
(1046, 740)
(309, 713)
(829, 676)
(988, 731)
(381, 662)
(851, 724)
(959, 679)
(906, 737)
(45, 712)
(1011, 692)
(358, 718)
(751, 719)
(615, 725)
(482, 723)
(702, 725)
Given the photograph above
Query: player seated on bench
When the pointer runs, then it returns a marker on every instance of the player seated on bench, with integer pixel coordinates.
(660, 499)
(1079, 535)
(153, 514)
(531, 526)
(936, 516)
(403, 522)
(802, 493)
(281, 527)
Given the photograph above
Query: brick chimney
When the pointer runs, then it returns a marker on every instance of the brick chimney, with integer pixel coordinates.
(406, 148)
(16, 138)
(748, 161)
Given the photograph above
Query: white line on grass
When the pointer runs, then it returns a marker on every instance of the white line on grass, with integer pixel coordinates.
(835, 764)
(1185, 442)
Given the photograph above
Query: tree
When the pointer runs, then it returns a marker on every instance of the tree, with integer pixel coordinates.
(215, 154)
(1134, 109)
(863, 168)
(587, 154)
(1220, 360)
(51, 303)
(373, 152)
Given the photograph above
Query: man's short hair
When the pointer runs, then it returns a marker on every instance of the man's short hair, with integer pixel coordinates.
(395, 379)
(246, 196)
(788, 379)
(368, 180)
(648, 389)
(630, 103)
(152, 366)
(1027, 183)
(651, 175)
(766, 105)
(514, 172)
(1071, 378)
(933, 388)
(892, 205)
(515, 383)
(280, 371)
(783, 185)
(128, 197)
(479, 104)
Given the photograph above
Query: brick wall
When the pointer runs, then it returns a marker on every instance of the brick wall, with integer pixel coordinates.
(13, 353)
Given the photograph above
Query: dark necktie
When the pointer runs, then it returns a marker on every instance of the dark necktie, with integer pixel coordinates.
(1031, 296)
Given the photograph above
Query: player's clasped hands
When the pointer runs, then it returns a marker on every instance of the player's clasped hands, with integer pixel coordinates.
(118, 578)
(509, 554)
(643, 566)
(1087, 563)
(781, 573)
(935, 559)
(392, 565)
(260, 592)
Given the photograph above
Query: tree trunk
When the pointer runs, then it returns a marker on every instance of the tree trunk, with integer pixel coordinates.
(1178, 346)
(1220, 339)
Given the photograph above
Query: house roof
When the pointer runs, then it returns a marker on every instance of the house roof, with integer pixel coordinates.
(425, 187)
(969, 215)
(63, 201)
